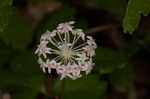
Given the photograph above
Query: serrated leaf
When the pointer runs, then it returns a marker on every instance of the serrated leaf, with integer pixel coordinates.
(18, 32)
(88, 87)
(135, 9)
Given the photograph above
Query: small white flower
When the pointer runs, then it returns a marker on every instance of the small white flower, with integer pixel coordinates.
(73, 53)
(43, 49)
(50, 65)
(90, 47)
(43, 65)
(90, 50)
(79, 32)
(82, 57)
(91, 42)
(89, 67)
(57, 67)
(65, 27)
(47, 36)
(76, 71)
(65, 71)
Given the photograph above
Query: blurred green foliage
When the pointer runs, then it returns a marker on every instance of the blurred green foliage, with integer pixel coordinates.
(5, 53)
(133, 14)
(108, 60)
(5, 13)
(23, 78)
(18, 33)
(20, 73)
(122, 78)
(85, 87)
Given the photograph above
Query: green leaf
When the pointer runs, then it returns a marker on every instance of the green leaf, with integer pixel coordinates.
(24, 93)
(25, 63)
(6, 3)
(89, 87)
(5, 13)
(5, 53)
(11, 80)
(122, 77)
(129, 49)
(108, 59)
(18, 32)
(24, 78)
(133, 14)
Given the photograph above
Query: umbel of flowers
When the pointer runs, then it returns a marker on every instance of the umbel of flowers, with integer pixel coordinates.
(67, 50)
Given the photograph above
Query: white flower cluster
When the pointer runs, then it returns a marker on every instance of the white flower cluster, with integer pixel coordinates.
(67, 50)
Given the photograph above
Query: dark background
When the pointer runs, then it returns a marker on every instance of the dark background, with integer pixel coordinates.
(122, 61)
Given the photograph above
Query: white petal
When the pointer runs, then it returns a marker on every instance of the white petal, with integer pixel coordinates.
(44, 70)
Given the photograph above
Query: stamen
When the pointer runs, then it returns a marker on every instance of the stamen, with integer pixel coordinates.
(65, 38)
(57, 58)
(79, 49)
(75, 41)
(60, 37)
(53, 43)
(80, 46)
